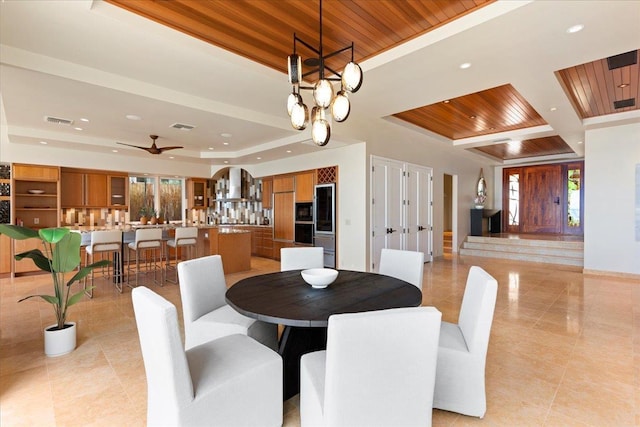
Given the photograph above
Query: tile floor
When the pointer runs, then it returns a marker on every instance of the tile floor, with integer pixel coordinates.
(564, 350)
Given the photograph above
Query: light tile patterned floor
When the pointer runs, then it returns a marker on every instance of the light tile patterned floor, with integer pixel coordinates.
(564, 350)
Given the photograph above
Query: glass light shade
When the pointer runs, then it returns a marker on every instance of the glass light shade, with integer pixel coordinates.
(294, 63)
(293, 99)
(340, 107)
(320, 129)
(299, 116)
(323, 93)
(352, 77)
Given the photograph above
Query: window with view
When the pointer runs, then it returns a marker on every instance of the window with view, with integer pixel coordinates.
(162, 196)
(171, 198)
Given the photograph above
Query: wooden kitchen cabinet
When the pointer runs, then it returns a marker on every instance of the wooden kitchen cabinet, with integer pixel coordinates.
(283, 216)
(25, 265)
(5, 254)
(35, 172)
(83, 189)
(197, 193)
(267, 193)
(35, 196)
(118, 191)
(304, 186)
(283, 183)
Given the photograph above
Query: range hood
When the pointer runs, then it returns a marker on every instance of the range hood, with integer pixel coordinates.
(234, 184)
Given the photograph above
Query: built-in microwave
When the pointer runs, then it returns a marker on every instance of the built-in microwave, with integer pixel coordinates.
(304, 212)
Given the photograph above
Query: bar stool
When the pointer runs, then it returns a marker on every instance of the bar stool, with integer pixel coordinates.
(148, 246)
(104, 243)
(186, 239)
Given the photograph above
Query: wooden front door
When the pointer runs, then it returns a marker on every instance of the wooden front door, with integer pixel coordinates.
(542, 199)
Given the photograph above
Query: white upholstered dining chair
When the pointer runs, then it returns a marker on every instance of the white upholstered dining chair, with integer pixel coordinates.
(378, 370)
(230, 381)
(206, 314)
(462, 353)
(301, 258)
(403, 265)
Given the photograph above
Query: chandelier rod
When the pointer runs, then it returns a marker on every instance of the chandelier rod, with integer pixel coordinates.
(321, 57)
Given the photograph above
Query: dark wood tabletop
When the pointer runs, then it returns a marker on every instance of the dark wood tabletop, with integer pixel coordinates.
(285, 298)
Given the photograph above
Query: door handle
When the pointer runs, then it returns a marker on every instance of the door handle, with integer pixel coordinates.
(391, 230)
(420, 228)
(556, 200)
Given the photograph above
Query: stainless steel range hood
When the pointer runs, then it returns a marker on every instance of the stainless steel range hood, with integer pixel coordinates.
(234, 184)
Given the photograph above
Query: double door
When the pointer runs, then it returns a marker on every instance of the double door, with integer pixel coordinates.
(544, 198)
(401, 208)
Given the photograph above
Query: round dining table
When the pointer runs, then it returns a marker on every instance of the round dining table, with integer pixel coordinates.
(285, 298)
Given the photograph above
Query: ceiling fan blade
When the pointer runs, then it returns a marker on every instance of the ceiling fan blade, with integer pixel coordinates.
(134, 146)
(168, 148)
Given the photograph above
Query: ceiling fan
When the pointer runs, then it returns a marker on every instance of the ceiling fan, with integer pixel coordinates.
(154, 149)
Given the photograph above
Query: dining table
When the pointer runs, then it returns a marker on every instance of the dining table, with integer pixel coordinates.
(284, 298)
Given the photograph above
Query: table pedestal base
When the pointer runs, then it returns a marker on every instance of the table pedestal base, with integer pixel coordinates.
(293, 344)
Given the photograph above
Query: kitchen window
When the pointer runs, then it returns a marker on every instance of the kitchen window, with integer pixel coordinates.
(165, 195)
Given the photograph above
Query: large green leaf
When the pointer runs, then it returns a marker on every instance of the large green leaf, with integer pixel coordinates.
(86, 270)
(48, 298)
(76, 297)
(54, 235)
(66, 252)
(41, 261)
(17, 232)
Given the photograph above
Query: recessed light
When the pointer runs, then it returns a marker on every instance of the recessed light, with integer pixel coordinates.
(465, 65)
(552, 109)
(575, 28)
(288, 151)
(146, 174)
(82, 119)
(114, 151)
(472, 117)
(210, 148)
(623, 85)
(225, 143)
(258, 158)
(579, 142)
(171, 157)
(78, 128)
(133, 117)
(226, 135)
(226, 161)
(43, 142)
(446, 101)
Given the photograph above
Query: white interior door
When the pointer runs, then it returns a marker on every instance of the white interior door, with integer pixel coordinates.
(387, 194)
(419, 226)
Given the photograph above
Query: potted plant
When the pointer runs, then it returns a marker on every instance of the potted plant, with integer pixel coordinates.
(153, 219)
(61, 256)
(160, 217)
(143, 215)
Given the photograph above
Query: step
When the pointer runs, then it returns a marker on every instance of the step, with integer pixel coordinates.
(531, 250)
(528, 242)
(569, 252)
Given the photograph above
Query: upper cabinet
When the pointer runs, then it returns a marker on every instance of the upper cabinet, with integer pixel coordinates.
(283, 183)
(35, 195)
(304, 186)
(117, 191)
(80, 189)
(267, 193)
(197, 193)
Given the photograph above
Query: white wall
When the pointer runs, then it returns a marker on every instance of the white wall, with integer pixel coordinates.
(611, 156)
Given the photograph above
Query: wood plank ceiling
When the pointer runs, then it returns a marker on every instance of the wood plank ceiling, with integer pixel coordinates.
(262, 31)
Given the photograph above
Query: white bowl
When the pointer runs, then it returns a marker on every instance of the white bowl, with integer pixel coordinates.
(319, 277)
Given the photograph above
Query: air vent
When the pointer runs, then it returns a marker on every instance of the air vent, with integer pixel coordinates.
(182, 126)
(631, 102)
(622, 60)
(58, 120)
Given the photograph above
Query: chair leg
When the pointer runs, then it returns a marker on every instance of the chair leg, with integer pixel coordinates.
(88, 292)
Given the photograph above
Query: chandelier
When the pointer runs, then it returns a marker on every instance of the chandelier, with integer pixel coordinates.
(323, 93)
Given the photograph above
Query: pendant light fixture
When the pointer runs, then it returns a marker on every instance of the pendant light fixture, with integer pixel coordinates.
(323, 92)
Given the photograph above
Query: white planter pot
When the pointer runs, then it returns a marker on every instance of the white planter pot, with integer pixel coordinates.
(59, 342)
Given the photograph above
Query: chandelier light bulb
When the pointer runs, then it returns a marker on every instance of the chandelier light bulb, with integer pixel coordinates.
(340, 107)
(293, 99)
(323, 93)
(299, 116)
(352, 77)
(320, 130)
